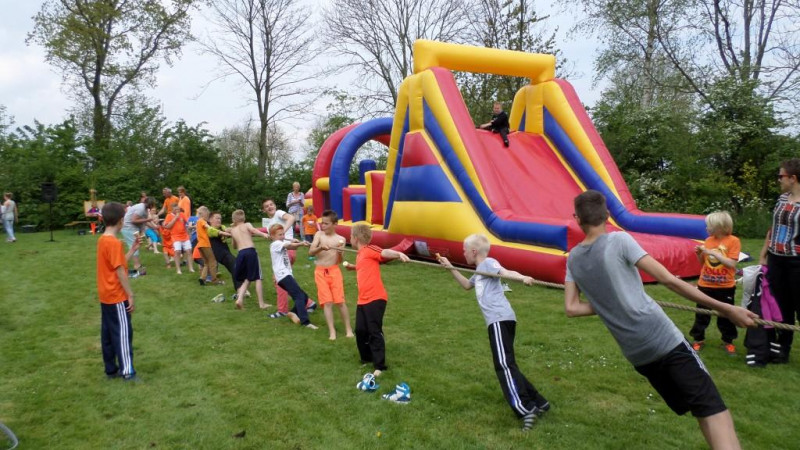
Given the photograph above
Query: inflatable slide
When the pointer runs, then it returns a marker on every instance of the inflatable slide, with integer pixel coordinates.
(445, 179)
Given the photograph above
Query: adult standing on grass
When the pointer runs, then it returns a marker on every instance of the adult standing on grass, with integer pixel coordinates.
(605, 267)
(294, 206)
(136, 217)
(10, 216)
(184, 202)
(169, 200)
(781, 254)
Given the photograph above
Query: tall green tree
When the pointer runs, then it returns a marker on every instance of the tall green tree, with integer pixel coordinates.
(105, 48)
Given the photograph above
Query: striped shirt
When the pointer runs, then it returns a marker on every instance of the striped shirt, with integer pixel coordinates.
(784, 239)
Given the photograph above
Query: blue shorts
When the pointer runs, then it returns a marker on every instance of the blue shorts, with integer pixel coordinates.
(247, 266)
(151, 233)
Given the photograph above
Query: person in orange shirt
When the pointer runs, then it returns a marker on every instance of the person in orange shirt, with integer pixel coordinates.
(169, 200)
(310, 225)
(719, 255)
(116, 296)
(372, 295)
(184, 202)
(176, 224)
(204, 246)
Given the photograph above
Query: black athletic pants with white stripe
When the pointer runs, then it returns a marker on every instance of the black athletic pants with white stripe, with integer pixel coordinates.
(116, 339)
(519, 392)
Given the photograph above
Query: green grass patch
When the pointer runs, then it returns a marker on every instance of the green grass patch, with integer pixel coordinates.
(210, 372)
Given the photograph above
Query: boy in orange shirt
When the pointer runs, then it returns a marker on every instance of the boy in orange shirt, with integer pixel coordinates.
(116, 296)
(372, 295)
(310, 225)
(176, 224)
(719, 255)
(204, 246)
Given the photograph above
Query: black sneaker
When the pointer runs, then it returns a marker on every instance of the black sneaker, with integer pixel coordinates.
(113, 376)
(132, 379)
(541, 409)
(201, 281)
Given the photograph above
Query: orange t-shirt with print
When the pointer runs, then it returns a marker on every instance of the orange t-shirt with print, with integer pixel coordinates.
(110, 256)
(202, 234)
(368, 275)
(178, 229)
(310, 224)
(714, 274)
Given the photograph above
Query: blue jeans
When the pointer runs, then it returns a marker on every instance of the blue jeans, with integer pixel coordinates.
(9, 226)
(289, 284)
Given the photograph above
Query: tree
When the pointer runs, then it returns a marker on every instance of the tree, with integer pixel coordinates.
(377, 37)
(105, 47)
(267, 44)
(508, 25)
(703, 41)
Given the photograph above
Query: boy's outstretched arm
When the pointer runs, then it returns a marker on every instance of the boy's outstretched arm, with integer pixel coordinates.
(295, 244)
(514, 275)
(461, 279)
(390, 254)
(256, 231)
(739, 316)
(573, 305)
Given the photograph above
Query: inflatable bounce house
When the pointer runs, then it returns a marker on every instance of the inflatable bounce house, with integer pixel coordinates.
(445, 179)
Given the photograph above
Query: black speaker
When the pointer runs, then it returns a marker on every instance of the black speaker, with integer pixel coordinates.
(49, 192)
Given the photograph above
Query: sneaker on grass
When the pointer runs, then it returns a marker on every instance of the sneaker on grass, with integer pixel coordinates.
(401, 394)
(698, 345)
(277, 315)
(529, 419)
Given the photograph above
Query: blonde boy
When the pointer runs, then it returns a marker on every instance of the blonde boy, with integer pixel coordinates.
(521, 395)
(248, 267)
(372, 297)
(330, 287)
(719, 255)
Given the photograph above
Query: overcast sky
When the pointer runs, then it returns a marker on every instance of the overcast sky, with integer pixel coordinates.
(31, 89)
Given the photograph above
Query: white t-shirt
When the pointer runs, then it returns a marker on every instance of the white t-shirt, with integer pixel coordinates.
(278, 218)
(281, 266)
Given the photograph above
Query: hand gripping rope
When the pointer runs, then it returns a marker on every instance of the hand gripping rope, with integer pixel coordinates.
(708, 312)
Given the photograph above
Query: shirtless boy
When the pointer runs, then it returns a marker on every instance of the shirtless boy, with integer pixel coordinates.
(330, 288)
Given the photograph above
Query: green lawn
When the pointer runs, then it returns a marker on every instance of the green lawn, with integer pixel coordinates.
(210, 372)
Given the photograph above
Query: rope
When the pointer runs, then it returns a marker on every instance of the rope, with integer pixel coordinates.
(708, 312)
(10, 434)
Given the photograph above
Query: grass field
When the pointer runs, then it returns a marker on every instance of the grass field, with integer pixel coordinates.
(210, 372)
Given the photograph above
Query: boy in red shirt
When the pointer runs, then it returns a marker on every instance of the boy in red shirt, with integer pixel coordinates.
(372, 295)
(116, 296)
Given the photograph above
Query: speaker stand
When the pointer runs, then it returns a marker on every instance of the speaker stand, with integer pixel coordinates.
(50, 222)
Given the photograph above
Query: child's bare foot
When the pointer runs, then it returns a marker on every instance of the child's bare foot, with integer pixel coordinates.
(293, 317)
(332, 337)
(265, 306)
(239, 305)
(349, 335)
(191, 270)
(180, 273)
(377, 373)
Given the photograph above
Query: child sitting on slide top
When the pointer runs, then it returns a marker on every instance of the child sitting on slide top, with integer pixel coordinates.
(247, 268)
(328, 277)
(604, 267)
(521, 395)
(282, 269)
(372, 295)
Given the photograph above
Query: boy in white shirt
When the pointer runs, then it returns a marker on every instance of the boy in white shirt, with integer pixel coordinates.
(282, 269)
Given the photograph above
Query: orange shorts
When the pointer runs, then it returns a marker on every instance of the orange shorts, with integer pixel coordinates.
(330, 287)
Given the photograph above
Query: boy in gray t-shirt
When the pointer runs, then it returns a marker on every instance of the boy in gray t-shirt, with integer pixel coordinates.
(522, 396)
(605, 267)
